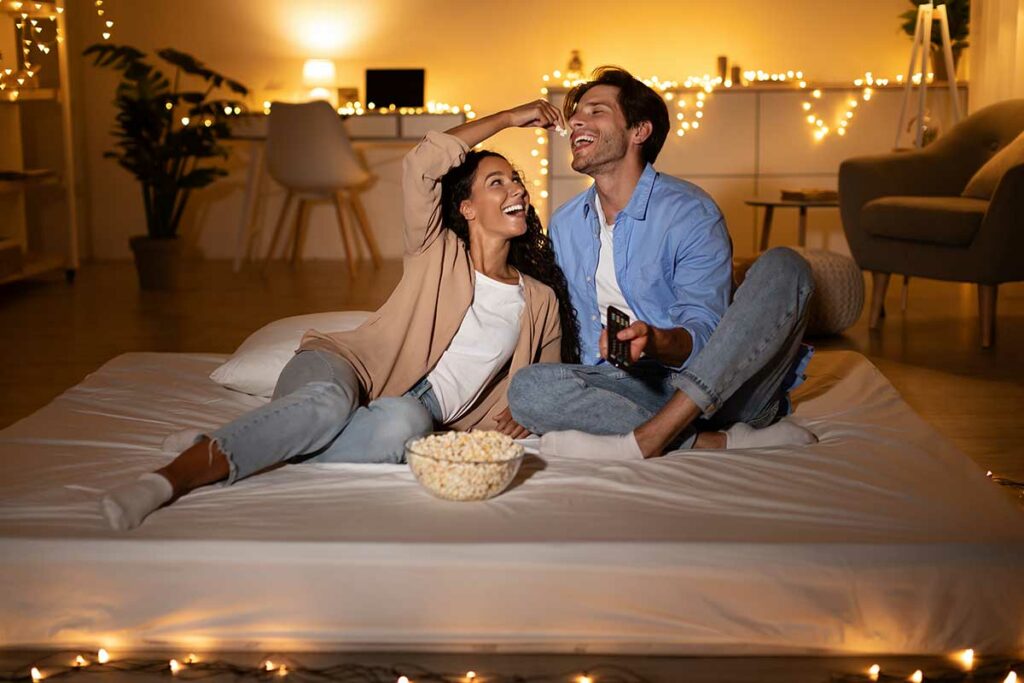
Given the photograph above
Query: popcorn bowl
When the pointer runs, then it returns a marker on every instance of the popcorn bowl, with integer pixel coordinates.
(464, 466)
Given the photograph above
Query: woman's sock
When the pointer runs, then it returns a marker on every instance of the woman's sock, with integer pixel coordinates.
(782, 433)
(574, 444)
(126, 506)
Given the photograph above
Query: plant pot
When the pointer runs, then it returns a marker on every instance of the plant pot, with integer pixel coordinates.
(157, 261)
(938, 62)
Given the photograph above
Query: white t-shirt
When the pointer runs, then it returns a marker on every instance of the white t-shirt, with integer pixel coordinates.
(608, 292)
(481, 348)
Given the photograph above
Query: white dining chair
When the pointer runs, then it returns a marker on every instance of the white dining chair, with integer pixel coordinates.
(309, 153)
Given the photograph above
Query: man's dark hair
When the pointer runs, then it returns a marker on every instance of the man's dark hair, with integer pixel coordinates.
(638, 102)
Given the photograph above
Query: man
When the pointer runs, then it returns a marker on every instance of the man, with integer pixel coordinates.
(704, 374)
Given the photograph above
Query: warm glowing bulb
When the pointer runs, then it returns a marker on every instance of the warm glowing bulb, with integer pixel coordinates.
(584, 679)
(80, 661)
(175, 666)
(470, 675)
(811, 118)
(37, 675)
(207, 123)
(695, 125)
(191, 659)
(816, 94)
(403, 679)
(917, 676)
(1011, 677)
(680, 132)
(268, 665)
(841, 131)
(543, 162)
(966, 658)
(807, 106)
(849, 114)
(803, 84)
(544, 194)
(874, 671)
(102, 656)
(184, 120)
(283, 671)
(106, 35)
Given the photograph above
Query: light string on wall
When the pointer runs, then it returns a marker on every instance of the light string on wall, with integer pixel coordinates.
(964, 665)
(39, 32)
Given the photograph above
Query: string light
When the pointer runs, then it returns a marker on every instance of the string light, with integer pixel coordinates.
(174, 665)
(470, 675)
(966, 658)
(917, 676)
(37, 675)
(874, 671)
(102, 656)
(1011, 677)
(80, 661)
(584, 679)
(402, 679)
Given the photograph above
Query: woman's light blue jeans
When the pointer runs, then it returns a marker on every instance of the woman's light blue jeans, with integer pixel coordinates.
(315, 416)
(737, 376)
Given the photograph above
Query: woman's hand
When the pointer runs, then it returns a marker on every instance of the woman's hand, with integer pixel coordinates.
(536, 114)
(506, 425)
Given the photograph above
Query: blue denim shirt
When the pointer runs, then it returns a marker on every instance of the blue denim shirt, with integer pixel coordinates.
(673, 259)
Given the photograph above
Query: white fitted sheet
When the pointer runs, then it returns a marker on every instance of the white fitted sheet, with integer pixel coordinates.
(881, 538)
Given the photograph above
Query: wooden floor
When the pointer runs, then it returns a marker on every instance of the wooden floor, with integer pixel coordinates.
(55, 333)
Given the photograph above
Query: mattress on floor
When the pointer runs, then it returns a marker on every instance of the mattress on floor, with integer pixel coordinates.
(882, 538)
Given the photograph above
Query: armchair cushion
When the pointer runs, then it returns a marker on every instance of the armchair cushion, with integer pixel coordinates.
(947, 221)
(984, 182)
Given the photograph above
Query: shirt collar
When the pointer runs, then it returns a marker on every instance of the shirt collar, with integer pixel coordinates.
(641, 197)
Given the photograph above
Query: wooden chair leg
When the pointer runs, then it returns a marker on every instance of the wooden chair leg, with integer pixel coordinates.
(277, 229)
(987, 310)
(879, 283)
(300, 222)
(364, 227)
(905, 293)
(346, 236)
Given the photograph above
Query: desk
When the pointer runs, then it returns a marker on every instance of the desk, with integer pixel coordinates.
(366, 132)
(769, 209)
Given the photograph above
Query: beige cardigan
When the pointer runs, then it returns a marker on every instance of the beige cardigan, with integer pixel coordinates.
(400, 343)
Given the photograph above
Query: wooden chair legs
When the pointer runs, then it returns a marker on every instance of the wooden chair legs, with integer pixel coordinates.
(348, 238)
(364, 227)
(987, 313)
(300, 220)
(879, 283)
(346, 235)
(277, 229)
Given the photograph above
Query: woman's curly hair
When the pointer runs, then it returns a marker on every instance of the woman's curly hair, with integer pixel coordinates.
(530, 253)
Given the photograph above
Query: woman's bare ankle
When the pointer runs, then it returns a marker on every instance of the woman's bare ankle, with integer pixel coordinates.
(710, 440)
(201, 464)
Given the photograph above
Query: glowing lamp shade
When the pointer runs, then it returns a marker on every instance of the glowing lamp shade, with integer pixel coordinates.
(319, 73)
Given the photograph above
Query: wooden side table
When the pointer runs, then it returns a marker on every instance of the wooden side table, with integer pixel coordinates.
(769, 210)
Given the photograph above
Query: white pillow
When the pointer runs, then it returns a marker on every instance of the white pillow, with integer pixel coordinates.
(256, 364)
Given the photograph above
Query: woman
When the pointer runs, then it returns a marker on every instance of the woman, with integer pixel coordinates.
(480, 297)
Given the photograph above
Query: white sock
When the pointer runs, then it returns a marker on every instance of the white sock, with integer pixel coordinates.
(574, 444)
(181, 440)
(782, 433)
(126, 506)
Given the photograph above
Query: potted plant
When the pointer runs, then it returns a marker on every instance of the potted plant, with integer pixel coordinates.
(958, 13)
(166, 137)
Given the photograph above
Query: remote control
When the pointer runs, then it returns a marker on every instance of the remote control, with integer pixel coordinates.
(618, 351)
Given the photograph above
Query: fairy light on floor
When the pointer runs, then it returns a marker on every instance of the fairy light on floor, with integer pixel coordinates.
(968, 668)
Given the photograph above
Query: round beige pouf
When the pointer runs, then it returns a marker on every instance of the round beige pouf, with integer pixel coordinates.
(838, 291)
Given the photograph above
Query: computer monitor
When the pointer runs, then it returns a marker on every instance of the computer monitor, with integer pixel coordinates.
(400, 87)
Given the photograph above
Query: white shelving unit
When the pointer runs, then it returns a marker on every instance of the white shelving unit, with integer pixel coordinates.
(38, 213)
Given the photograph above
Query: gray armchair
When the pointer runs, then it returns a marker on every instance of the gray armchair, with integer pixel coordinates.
(903, 212)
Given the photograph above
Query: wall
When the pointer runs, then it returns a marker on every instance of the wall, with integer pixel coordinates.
(489, 54)
(997, 67)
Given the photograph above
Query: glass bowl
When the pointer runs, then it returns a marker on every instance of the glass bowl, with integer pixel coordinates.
(451, 475)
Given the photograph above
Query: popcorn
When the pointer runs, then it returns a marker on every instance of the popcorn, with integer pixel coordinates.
(465, 465)
(564, 132)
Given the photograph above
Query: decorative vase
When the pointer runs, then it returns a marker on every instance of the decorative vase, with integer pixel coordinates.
(938, 62)
(157, 262)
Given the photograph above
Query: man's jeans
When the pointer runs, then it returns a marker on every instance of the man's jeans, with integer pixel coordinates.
(737, 377)
(315, 416)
